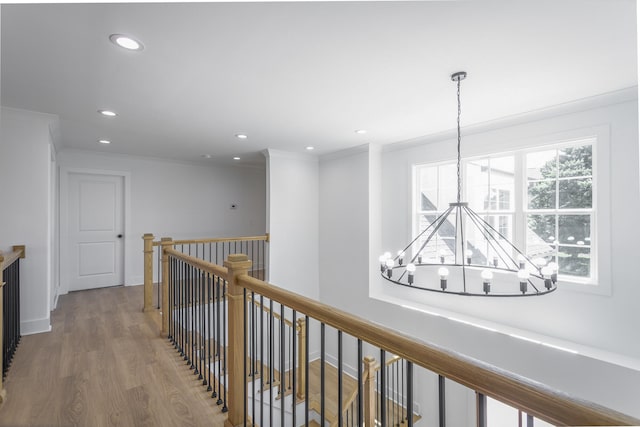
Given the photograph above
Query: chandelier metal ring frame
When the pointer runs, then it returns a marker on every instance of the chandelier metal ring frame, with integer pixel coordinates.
(534, 277)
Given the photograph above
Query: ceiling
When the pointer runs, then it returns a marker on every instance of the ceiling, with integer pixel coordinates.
(298, 74)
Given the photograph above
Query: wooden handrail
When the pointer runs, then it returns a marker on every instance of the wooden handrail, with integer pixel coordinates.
(198, 263)
(390, 361)
(217, 240)
(268, 310)
(519, 392)
(9, 258)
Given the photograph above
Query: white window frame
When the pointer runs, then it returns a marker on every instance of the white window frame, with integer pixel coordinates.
(597, 281)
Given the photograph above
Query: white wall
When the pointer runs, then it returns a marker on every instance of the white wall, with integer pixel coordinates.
(292, 221)
(601, 321)
(344, 228)
(178, 200)
(25, 173)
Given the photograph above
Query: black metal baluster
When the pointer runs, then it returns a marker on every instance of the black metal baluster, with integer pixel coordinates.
(177, 304)
(203, 343)
(481, 410)
(170, 307)
(249, 250)
(529, 420)
(244, 356)
(271, 361)
(283, 378)
(192, 317)
(218, 298)
(293, 370)
(383, 389)
(322, 356)
(209, 328)
(442, 408)
(306, 370)
(394, 393)
(183, 350)
(340, 378)
(224, 345)
(159, 273)
(261, 360)
(196, 315)
(359, 365)
(403, 378)
(409, 394)
(290, 353)
(254, 325)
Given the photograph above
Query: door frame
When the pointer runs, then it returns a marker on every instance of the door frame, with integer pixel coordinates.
(64, 221)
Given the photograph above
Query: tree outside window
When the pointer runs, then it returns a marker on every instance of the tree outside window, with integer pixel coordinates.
(560, 207)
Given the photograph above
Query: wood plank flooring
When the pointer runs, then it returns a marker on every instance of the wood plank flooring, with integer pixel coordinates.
(103, 364)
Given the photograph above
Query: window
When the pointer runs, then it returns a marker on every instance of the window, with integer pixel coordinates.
(540, 199)
(560, 207)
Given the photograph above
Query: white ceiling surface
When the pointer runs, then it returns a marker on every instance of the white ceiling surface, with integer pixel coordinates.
(296, 74)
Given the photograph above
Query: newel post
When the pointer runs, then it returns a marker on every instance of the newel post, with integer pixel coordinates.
(369, 391)
(148, 272)
(302, 357)
(164, 243)
(237, 265)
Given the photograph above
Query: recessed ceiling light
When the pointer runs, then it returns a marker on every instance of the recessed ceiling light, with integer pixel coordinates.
(241, 136)
(104, 141)
(361, 131)
(310, 148)
(236, 158)
(108, 113)
(126, 42)
(206, 156)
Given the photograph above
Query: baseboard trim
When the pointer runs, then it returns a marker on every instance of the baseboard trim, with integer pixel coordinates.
(37, 326)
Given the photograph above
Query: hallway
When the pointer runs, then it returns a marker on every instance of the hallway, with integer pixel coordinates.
(103, 364)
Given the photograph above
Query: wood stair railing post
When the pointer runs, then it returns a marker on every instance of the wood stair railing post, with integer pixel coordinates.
(369, 389)
(302, 358)
(166, 314)
(148, 272)
(237, 265)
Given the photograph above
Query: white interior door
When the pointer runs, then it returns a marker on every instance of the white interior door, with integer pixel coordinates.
(96, 228)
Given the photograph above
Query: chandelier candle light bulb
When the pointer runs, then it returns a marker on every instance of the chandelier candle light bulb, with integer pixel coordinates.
(443, 272)
(411, 268)
(487, 276)
(383, 263)
(546, 274)
(401, 255)
(523, 275)
(554, 271)
(389, 264)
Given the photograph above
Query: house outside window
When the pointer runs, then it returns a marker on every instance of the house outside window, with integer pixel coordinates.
(541, 199)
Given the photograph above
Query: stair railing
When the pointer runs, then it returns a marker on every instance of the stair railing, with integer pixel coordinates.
(9, 309)
(421, 359)
(215, 250)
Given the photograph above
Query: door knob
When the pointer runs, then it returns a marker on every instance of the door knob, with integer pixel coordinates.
(119, 236)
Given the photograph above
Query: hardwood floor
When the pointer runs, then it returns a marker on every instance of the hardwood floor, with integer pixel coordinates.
(103, 364)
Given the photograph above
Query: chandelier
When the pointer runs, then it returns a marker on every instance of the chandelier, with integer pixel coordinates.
(448, 265)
